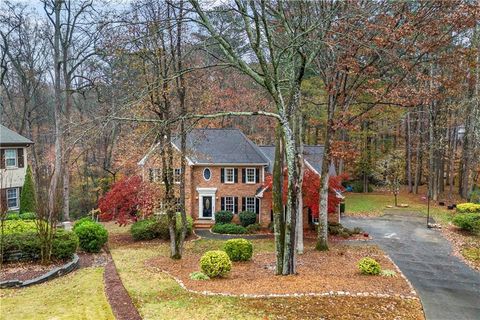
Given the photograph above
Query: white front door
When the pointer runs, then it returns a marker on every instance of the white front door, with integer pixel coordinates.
(206, 203)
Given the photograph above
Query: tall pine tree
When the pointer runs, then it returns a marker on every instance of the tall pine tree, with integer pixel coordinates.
(28, 198)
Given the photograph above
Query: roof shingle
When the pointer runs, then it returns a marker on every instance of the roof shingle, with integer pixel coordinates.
(9, 137)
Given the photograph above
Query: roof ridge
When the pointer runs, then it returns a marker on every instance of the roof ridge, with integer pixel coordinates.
(254, 146)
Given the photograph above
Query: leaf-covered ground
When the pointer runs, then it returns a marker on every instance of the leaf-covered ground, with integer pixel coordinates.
(78, 295)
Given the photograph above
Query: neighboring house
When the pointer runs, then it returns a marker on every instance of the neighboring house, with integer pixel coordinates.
(13, 165)
(225, 171)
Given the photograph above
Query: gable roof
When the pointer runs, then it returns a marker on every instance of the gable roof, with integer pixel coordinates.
(221, 146)
(312, 155)
(11, 138)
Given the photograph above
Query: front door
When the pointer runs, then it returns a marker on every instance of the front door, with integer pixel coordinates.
(206, 207)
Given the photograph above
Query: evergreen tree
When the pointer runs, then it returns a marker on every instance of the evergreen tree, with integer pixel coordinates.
(28, 198)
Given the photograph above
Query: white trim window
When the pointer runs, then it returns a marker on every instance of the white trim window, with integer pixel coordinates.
(11, 158)
(177, 175)
(155, 174)
(229, 175)
(207, 174)
(250, 175)
(12, 198)
(230, 204)
(250, 204)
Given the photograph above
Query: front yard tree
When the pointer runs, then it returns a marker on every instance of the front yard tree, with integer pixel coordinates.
(276, 33)
(28, 197)
(390, 170)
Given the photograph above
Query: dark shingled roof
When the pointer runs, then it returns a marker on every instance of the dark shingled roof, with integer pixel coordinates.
(312, 154)
(9, 137)
(221, 146)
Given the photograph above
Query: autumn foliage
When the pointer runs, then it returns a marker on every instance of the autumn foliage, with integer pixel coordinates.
(125, 198)
(311, 187)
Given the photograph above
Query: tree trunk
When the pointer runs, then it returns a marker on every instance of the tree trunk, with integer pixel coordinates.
(299, 141)
(409, 153)
(278, 208)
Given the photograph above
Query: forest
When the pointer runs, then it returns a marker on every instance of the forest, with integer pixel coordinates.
(390, 88)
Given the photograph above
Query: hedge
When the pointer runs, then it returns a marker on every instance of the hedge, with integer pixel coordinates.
(468, 222)
(468, 208)
(92, 236)
(247, 218)
(229, 228)
(223, 217)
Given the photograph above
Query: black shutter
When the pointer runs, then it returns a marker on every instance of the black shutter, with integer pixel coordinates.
(3, 199)
(150, 174)
(20, 162)
(236, 205)
(235, 175)
(257, 205)
(244, 204)
(2, 158)
(257, 175)
(222, 200)
(222, 175)
(244, 174)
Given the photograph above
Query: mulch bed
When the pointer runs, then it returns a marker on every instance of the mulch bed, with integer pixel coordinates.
(26, 270)
(460, 240)
(318, 272)
(120, 302)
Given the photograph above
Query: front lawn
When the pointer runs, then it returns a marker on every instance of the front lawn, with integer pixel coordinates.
(78, 295)
(156, 295)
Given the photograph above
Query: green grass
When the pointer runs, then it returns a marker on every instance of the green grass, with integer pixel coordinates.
(78, 295)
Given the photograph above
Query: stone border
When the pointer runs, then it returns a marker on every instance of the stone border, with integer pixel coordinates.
(52, 274)
(293, 295)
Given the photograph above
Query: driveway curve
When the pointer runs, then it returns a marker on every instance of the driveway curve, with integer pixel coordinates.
(448, 288)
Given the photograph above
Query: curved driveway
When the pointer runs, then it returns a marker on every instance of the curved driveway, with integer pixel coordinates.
(448, 288)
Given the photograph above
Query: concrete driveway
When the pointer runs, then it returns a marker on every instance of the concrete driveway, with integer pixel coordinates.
(448, 288)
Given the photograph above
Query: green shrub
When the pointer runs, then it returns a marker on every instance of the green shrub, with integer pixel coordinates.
(12, 216)
(388, 273)
(468, 208)
(189, 224)
(357, 186)
(64, 244)
(223, 217)
(215, 263)
(229, 228)
(474, 195)
(144, 229)
(369, 266)
(28, 216)
(28, 198)
(197, 275)
(19, 226)
(253, 228)
(92, 236)
(79, 222)
(238, 249)
(468, 221)
(247, 218)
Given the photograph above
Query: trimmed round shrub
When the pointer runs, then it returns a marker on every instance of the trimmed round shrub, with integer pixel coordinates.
(229, 228)
(92, 236)
(369, 266)
(223, 217)
(197, 275)
(19, 226)
(79, 222)
(468, 208)
(468, 222)
(247, 218)
(215, 263)
(144, 230)
(238, 249)
(64, 244)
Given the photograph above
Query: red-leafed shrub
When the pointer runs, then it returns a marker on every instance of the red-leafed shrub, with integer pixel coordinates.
(311, 187)
(126, 197)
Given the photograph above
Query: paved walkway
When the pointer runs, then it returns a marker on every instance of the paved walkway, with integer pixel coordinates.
(448, 288)
(205, 233)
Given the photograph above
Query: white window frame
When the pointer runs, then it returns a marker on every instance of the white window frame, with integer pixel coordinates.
(232, 204)
(254, 175)
(14, 157)
(17, 200)
(177, 173)
(209, 170)
(248, 206)
(226, 175)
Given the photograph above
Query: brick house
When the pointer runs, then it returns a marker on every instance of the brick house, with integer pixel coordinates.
(226, 171)
(13, 163)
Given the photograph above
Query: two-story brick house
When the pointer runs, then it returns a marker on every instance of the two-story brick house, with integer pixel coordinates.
(225, 171)
(13, 163)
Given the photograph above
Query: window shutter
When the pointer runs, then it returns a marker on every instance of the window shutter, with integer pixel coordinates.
(3, 199)
(235, 175)
(257, 175)
(257, 205)
(20, 158)
(2, 158)
(236, 205)
(222, 200)
(244, 175)
(244, 204)
(150, 174)
(222, 175)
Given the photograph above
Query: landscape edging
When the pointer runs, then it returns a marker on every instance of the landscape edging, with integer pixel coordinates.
(52, 274)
